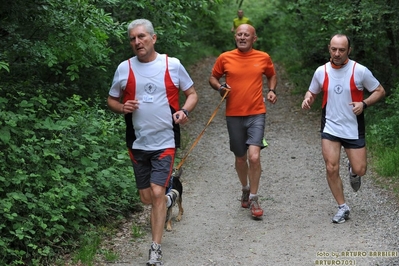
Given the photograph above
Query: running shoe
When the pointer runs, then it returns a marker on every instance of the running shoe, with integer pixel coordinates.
(354, 180)
(245, 198)
(155, 255)
(342, 215)
(255, 208)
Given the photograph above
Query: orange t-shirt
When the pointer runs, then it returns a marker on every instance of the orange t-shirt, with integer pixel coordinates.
(244, 74)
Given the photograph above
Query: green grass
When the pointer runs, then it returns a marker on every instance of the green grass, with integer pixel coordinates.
(385, 161)
(88, 249)
(109, 255)
(137, 231)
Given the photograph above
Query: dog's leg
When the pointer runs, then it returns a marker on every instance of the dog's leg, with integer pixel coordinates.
(169, 220)
(179, 203)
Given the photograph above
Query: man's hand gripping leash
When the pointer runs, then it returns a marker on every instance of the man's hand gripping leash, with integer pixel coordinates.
(224, 90)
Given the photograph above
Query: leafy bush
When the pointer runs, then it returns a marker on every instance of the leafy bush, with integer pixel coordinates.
(63, 168)
(384, 130)
(382, 136)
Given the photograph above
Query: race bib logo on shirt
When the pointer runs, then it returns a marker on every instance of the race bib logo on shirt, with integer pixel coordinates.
(338, 89)
(150, 88)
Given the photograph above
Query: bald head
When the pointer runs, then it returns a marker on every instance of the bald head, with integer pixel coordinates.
(246, 28)
(342, 38)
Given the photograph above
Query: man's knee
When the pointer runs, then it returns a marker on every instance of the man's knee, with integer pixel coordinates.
(145, 196)
(254, 158)
(360, 170)
(146, 200)
(241, 159)
(332, 169)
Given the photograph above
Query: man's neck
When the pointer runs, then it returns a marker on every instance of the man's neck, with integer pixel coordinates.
(338, 66)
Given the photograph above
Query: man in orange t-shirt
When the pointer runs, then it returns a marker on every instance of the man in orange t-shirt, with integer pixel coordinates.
(243, 69)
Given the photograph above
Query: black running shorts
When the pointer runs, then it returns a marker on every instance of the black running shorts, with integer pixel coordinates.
(346, 143)
(152, 166)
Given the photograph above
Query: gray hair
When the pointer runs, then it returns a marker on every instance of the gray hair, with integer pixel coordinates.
(141, 22)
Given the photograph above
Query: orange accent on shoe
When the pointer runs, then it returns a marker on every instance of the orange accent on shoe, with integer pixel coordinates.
(256, 210)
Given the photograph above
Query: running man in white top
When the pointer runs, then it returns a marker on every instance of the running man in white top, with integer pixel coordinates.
(343, 82)
(145, 89)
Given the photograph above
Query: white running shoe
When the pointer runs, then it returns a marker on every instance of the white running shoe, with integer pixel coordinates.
(155, 255)
(342, 215)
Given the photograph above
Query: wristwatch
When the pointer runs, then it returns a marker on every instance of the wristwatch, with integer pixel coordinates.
(364, 105)
(274, 91)
(184, 111)
(223, 86)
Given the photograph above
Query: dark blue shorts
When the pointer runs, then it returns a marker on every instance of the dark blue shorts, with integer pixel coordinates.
(346, 143)
(152, 166)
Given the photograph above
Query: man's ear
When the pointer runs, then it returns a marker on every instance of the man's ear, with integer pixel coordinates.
(154, 38)
(350, 50)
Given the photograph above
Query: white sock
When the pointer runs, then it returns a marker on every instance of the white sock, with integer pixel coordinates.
(156, 246)
(342, 206)
(251, 196)
(245, 188)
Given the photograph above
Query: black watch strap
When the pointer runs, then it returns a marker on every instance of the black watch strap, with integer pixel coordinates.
(223, 86)
(184, 111)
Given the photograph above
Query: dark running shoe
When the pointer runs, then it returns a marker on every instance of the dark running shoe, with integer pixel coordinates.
(245, 198)
(354, 180)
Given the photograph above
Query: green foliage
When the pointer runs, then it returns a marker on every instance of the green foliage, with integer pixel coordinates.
(384, 131)
(4, 65)
(62, 38)
(63, 167)
(382, 136)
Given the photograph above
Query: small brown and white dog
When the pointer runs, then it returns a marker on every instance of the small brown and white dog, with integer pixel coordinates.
(178, 187)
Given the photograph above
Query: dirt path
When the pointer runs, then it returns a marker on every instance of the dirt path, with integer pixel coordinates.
(296, 228)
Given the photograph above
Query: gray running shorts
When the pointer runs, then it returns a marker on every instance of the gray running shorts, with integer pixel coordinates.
(245, 131)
